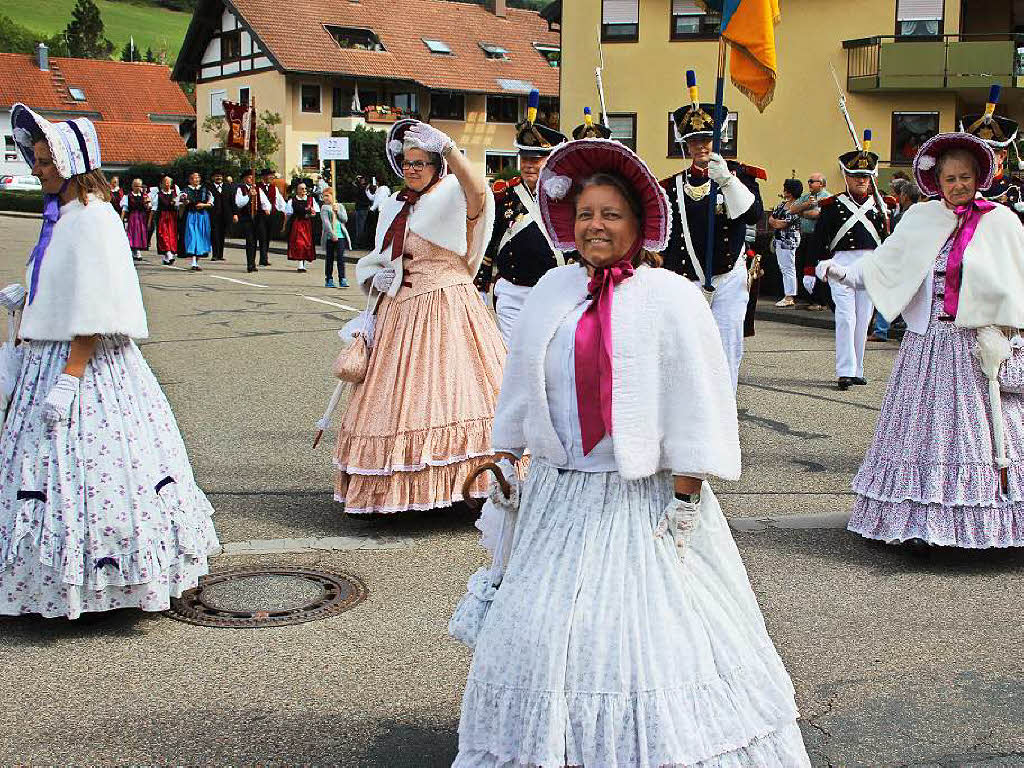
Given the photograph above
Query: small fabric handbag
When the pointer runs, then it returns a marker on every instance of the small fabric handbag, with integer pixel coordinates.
(354, 360)
(1011, 372)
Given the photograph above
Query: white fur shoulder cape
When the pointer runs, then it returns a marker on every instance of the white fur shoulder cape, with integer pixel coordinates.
(87, 282)
(673, 405)
(438, 217)
(899, 271)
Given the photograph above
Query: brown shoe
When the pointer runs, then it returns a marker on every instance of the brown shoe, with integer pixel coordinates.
(815, 308)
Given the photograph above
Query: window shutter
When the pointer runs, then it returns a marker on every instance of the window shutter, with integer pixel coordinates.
(919, 10)
(686, 8)
(621, 11)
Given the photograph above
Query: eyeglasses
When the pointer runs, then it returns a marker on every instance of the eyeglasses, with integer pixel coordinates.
(815, 181)
(415, 165)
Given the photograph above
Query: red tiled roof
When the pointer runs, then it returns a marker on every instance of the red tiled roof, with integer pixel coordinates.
(298, 41)
(125, 143)
(117, 90)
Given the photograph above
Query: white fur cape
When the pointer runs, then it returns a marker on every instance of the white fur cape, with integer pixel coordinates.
(87, 283)
(672, 400)
(899, 272)
(438, 217)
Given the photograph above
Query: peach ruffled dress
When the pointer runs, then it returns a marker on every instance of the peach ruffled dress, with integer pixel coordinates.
(420, 422)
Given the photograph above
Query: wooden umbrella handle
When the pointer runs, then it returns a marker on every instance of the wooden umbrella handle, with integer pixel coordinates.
(506, 489)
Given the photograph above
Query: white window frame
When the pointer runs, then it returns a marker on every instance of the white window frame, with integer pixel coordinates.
(316, 147)
(319, 99)
(217, 97)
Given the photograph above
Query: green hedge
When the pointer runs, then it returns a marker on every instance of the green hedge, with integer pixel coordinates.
(31, 202)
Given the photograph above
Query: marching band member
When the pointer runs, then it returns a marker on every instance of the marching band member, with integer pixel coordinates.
(520, 252)
(737, 205)
(624, 630)
(946, 465)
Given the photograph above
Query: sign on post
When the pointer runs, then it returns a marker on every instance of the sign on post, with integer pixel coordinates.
(334, 148)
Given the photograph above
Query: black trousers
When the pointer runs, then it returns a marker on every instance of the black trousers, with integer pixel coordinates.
(218, 231)
(263, 238)
(249, 233)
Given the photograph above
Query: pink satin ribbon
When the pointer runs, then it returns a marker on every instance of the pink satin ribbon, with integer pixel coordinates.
(593, 352)
(968, 217)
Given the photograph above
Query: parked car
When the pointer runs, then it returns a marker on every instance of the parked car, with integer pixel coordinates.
(19, 183)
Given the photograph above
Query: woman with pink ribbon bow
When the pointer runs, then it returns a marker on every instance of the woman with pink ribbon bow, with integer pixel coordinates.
(946, 466)
(616, 625)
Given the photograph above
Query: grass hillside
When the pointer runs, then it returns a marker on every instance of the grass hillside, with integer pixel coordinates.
(154, 27)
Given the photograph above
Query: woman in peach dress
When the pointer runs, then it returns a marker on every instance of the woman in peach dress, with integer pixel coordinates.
(420, 422)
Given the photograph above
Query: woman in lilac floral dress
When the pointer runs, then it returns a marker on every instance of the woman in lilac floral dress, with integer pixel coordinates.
(98, 505)
(946, 465)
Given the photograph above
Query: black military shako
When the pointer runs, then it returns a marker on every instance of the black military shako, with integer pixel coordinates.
(525, 257)
(730, 234)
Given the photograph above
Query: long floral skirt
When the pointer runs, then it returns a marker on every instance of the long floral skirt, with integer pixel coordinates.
(421, 420)
(101, 511)
(602, 648)
(929, 473)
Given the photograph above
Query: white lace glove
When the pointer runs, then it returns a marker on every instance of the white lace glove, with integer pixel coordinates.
(428, 138)
(12, 297)
(718, 171)
(383, 279)
(679, 520)
(827, 269)
(809, 281)
(57, 406)
(494, 493)
(992, 349)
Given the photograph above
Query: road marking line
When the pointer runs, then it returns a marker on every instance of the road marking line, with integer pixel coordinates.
(171, 266)
(240, 282)
(329, 303)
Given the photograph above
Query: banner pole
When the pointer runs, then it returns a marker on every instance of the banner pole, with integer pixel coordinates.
(716, 146)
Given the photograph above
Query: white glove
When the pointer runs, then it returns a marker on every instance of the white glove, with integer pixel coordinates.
(382, 280)
(428, 138)
(718, 171)
(494, 493)
(809, 282)
(991, 350)
(57, 406)
(12, 297)
(1019, 206)
(679, 520)
(324, 424)
(829, 269)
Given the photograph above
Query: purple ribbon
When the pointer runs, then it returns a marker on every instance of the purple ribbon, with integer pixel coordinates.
(968, 217)
(51, 212)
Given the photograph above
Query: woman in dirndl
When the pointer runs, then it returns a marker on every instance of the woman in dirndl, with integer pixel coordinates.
(99, 508)
(420, 422)
(197, 200)
(300, 210)
(167, 220)
(623, 630)
(135, 215)
(946, 466)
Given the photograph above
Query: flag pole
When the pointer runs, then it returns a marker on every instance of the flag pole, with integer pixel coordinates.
(716, 146)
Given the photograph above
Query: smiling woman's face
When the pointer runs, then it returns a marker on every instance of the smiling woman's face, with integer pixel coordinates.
(45, 170)
(606, 226)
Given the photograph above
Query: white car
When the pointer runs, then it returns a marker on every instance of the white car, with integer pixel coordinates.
(19, 183)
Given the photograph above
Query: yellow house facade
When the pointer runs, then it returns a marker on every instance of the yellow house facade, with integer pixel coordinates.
(909, 69)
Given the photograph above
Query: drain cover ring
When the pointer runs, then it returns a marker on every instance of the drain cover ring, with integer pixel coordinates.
(267, 597)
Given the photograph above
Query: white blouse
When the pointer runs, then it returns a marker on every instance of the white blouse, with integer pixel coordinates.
(560, 384)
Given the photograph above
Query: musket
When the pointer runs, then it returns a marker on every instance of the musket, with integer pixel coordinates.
(879, 202)
(600, 84)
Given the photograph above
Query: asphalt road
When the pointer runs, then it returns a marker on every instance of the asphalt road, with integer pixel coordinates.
(897, 660)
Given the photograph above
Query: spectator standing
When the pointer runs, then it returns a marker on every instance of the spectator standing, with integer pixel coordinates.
(334, 239)
(362, 199)
(134, 213)
(222, 214)
(786, 239)
(807, 208)
(197, 202)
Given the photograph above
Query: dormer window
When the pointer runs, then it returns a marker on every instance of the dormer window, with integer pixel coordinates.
(437, 46)
(355, 38)
(77, 94)
(551, 53)
(495, 52)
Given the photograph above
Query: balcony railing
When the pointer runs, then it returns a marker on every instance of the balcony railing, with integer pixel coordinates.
(887, 62)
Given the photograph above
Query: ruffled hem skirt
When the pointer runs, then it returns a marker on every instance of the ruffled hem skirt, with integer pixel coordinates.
(930, 473)
(602, 648)
(420, 422)
(101, 511)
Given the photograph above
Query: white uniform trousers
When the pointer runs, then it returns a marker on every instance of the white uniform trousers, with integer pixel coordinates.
(853, 315)
(508, 300)
(729, 308)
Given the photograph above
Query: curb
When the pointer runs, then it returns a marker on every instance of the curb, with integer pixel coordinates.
(21, 214)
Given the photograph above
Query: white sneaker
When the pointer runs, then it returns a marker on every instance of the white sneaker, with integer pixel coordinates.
(786, 301)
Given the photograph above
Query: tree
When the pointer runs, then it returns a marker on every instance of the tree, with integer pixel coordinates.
(84, 33)
(150, 58)
(14, 38)
(128, 53)
(267, 141)
(366, 158)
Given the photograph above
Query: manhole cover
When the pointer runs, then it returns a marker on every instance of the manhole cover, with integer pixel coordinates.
(262, 597)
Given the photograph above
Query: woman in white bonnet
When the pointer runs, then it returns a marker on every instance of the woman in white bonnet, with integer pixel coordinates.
(98, 505)
(420, 421)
